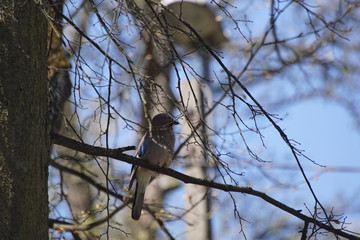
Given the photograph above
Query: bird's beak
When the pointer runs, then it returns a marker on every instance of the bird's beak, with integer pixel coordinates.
(175, 122)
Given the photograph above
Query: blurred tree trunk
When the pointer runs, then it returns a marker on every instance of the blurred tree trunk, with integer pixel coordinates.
(197, 202)
(24, 142)
(158, 97)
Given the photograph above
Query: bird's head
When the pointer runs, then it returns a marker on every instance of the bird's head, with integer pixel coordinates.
(163, 120)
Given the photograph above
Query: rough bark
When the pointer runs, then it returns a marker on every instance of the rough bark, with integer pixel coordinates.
(24, 142)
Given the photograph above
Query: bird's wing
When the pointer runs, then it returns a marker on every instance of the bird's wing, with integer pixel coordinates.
(140, 151)
(143, 145)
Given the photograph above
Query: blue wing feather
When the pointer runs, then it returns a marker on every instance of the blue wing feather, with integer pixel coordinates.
(140, 151)
(144, 145)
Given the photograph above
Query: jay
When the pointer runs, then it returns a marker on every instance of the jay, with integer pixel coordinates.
(157, 148)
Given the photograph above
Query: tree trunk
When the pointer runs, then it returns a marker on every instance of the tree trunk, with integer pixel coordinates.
(24, 142)
(197, 197)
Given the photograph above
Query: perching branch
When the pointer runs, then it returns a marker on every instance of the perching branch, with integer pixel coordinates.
(119, 155)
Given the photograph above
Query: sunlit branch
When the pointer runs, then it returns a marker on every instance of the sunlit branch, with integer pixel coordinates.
(88, 179)
(65, 226)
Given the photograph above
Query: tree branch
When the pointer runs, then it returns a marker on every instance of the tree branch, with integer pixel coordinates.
(75, 227)
(119, 155)
(89, 180)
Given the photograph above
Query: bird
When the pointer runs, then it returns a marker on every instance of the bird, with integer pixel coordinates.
(155, 147)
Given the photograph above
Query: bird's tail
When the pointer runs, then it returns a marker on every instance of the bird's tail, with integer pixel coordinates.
(143, 177)
(138, 201)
